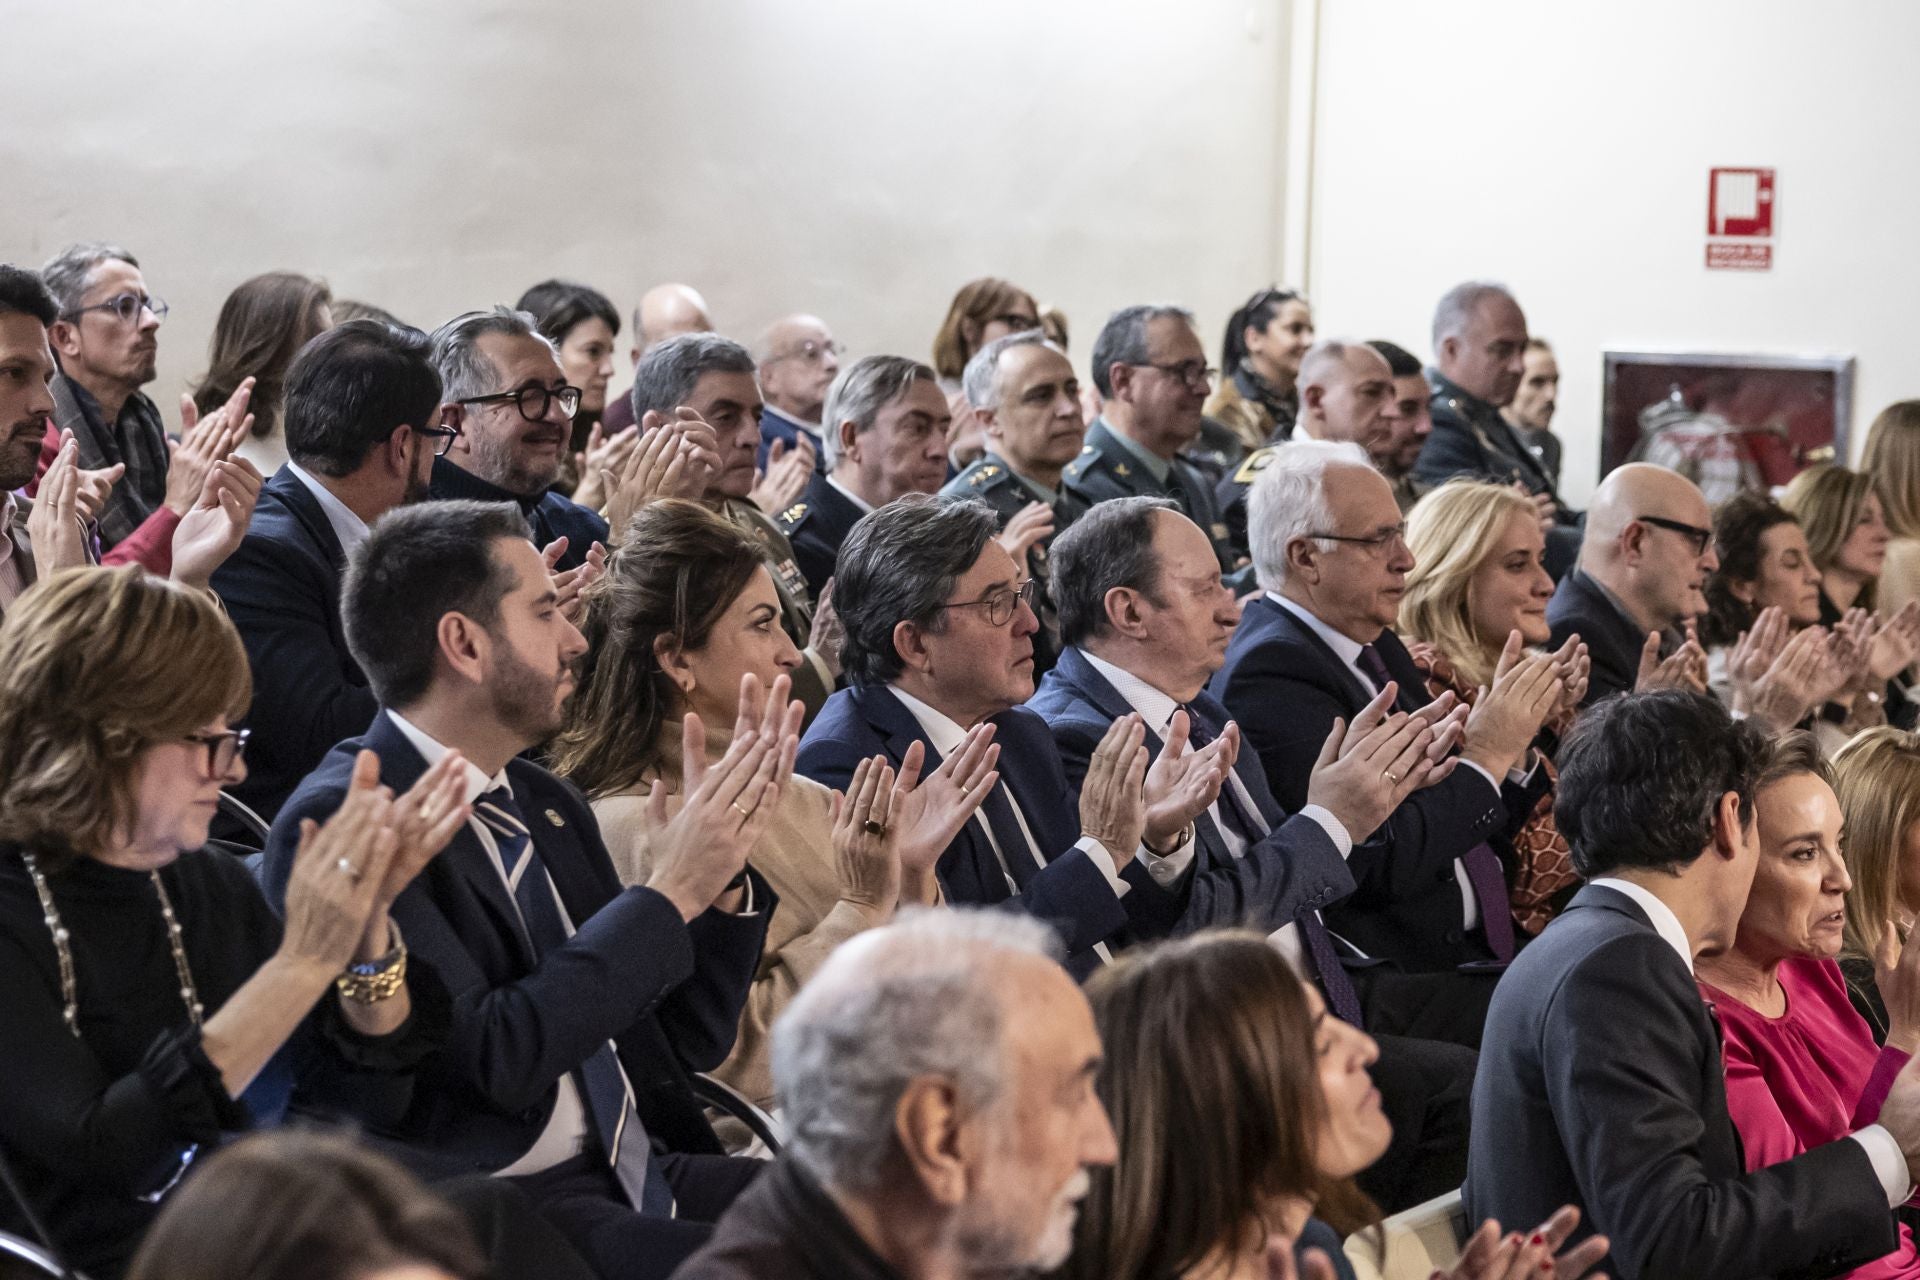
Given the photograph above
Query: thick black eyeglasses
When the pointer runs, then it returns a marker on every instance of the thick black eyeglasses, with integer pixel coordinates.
(1001, 605)
(126, 307)
(1374, 542)
(534, 400)
(1700, 537)
(443, 438)
(223, 749)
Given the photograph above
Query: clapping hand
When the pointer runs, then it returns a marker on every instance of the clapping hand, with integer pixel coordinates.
(1368, 767)
(1507, 715)
(866, 841)
(1685, 668)
(570, 585)
(1575, 667)
(54, 525)
(1799, 678)
(339, 871)
(204, 442)
(604, 454)
(930, 811)
(1113, 806)
(1896, 645)
(1490, 1256)
(787, 475)
(1031, 524)
(1182, 783)
(675, 459)
(217, 525)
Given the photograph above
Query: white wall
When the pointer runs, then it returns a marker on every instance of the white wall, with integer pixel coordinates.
(1564, 149)
(860, 158)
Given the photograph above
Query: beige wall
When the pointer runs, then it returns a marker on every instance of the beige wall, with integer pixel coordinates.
(1565, 148)
(859, 158)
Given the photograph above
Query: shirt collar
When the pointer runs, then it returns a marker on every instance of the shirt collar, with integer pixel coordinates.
(811, 428)
(1156, 466)
(8, 510)
(349, 528)
(851, 496)
(1344, 647)
(1665, 923)
(433, 751)
(1155, 707)
(941, 731)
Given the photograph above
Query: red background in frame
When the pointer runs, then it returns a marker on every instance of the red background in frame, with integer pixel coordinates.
(1800, 400)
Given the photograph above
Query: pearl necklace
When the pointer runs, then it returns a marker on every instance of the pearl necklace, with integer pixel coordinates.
(69, 988)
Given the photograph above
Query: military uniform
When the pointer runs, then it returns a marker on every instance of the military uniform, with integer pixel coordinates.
(816, 526)
(810, 683)
(1109, 468)
(1215, 452)
(997, 484)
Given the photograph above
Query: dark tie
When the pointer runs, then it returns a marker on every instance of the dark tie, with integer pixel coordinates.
(602, 1084)
(1016, 855)
(1375, 667)
(1321, 953)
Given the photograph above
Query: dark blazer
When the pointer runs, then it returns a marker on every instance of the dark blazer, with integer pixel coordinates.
(1470, 437)
(816, 526)
(1071, 893)
(1580, 606)
(1294, 869)
(1286, 687)
(1107, 468)
(669, 994)
(1600, 1084)
(281, 588)
(549, 514)
(775, 425)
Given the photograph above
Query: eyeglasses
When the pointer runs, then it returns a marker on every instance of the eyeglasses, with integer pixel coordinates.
(1015, 322)
(443, 438)
(534, 400)
(1375, 542)
(1191, 372)
(1002, 604)
(126, 307)
(223, 749)
(810, 351)
(1693, 532)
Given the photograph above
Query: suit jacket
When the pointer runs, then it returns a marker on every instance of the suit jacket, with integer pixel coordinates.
(667, 993)
(1580, 606)
(775, 425)
(1600, 1084)
(816, 526)
(1286, 687)
(282, 591)
(1108, 468)
(548, 514)
(1470, 437)
(1071, 892)
(1295, 868)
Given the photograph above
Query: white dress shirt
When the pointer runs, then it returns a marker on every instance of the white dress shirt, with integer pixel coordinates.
(1889, 1165)
(12, 580)
(349, 528)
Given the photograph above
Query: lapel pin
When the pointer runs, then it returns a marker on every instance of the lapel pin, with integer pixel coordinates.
(554, 817)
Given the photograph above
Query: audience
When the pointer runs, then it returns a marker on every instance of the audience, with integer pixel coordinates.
(1412, 424)
(1476, 597)
(1892, 458)
(798, 360)
(938, 1084)
(981, 311)
(36, 539)
(576, 1006)
(1877, 780)
(665, 311)
(887, 438)
(582, 324)
(155, 1005)
(1530, 413)
(1601, 1082)
(1260, 354)
(1802, 1067)
(261, 327)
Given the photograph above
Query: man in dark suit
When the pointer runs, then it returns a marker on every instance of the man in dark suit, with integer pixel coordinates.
(361, 438)
(574, 1008)
(939, 645)
(507, 396)
(1602, 1085)
(1641, 580)
(886, 423)
(1331, 553)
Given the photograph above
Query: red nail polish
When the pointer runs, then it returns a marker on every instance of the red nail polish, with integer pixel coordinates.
(1538, 1238)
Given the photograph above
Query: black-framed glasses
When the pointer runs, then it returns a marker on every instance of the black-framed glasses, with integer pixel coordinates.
(1192, 372)
(1373, 542)
(1002, 604)
(223, 749)
(533, 400)
(125, 307)
(443, 438)
(810, 351)
(1699, 537)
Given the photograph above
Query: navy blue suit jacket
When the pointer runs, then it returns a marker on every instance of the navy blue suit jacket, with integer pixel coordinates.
(1294, 869)
(549, 515)
(775, 425)
(668, 993)
(1286, 688)
(281, 588)
(816, 526)
(1580, 607)
(1071, 893)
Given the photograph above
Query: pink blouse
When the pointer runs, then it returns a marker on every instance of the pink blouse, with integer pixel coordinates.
(1807, 1078)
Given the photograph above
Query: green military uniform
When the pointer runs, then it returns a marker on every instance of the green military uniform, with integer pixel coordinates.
(993, 481)
(1112, 467)
(810, 683)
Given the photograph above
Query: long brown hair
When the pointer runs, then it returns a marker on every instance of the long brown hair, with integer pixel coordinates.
(1877, 777)
(974, 307)
(262, 325)
(677, 571)
(1213, 1088)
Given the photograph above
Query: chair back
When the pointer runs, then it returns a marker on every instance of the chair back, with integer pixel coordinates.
(1419, 1241)
(24, 1260)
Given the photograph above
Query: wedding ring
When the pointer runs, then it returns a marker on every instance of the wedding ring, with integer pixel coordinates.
(346, 866)
(873, 828)
(735, 806)
(1392, 777)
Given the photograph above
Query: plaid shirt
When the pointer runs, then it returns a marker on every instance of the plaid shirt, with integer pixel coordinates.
(139, 439)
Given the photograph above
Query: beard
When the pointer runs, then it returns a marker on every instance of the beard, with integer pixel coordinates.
(20, 454)
(998, 1248)
(525, 700)
(495, 461)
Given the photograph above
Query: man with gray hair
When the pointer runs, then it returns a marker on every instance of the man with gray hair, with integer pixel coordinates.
(1022, 389)
(1153, 378)
(798, 361)
(507, 398)
(886, 426)
(936, 1076)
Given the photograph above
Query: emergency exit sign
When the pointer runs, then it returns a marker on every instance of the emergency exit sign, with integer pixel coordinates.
(1739, 219)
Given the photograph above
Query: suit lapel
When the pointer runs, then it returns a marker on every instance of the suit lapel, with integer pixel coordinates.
(1357, 695)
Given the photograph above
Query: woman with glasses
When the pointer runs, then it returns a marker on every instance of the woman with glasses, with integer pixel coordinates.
(262, 325)
(983, 310)
(582, 324)
(1476, 597)
(684, 632)
(154, 1004)
(1260, 360)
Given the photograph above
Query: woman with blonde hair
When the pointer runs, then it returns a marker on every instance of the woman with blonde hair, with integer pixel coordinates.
(1476, 598)
(1877, 778)
(1892, 458)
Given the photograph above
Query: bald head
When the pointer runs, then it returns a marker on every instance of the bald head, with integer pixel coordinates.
(667, 311)
(1347, 394)
(798, 359)
(1648, 540)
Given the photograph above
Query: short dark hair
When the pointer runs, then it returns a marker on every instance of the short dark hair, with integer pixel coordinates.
(24, 291)
(668, 372)
(1400, 361)
(351, 388)
(1110, 546)
(558, 305)
(897, 565)
(1641, 775)
(418, 564)
(1738, 525)
(1123, 339)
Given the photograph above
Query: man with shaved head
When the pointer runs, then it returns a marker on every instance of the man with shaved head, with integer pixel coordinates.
(1643, 564)
(798, 360)
(665, 311)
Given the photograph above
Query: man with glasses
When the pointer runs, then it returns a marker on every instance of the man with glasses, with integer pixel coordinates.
(362, 432)
(509, 405)
(939, 651)
(798, 361)
(1640, 583)
(1153, 379)
(1331, 556)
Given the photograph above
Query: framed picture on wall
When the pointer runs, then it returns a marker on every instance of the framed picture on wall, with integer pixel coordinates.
(1727, 422)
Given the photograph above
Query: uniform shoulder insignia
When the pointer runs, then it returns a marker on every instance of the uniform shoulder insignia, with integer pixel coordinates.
(983, 475)
(1121, 469)
(794, 514)
(1085, 449)
(1255, 463)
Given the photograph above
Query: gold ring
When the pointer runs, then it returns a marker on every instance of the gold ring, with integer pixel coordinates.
(346, 866)
(735, 806)
(1392, 777)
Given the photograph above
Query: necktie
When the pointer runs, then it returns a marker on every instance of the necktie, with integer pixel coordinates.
(602, 1083)
(1375, 666)
(1489, 885)
(1016, 858)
